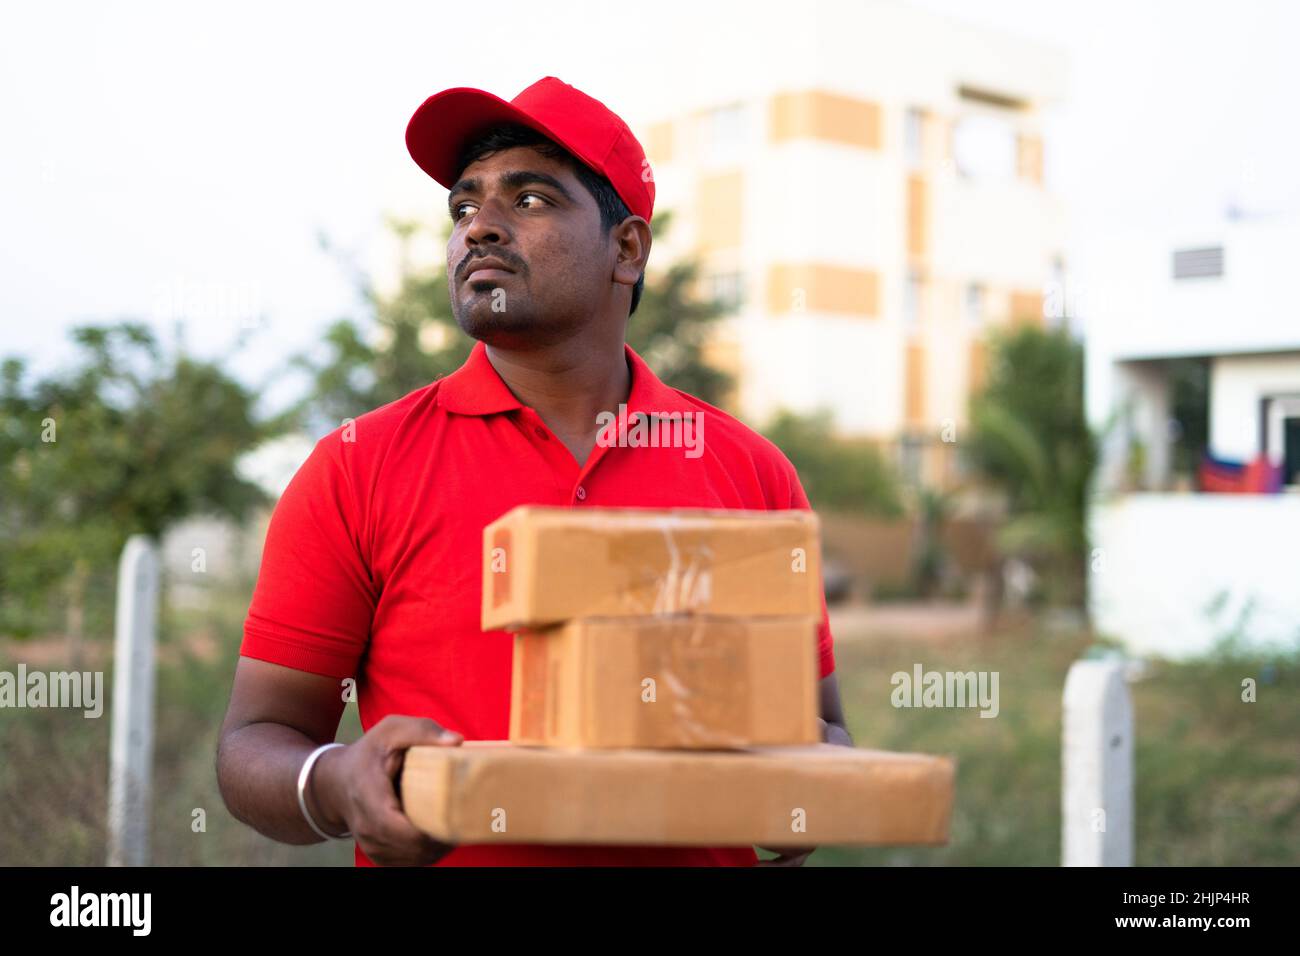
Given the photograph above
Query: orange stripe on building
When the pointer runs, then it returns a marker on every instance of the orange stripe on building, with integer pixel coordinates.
(816, 114)
(914, 396)
(816, 287)
(1027, 307)
(918, 217)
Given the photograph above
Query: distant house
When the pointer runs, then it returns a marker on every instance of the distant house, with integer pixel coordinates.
(1193, 361)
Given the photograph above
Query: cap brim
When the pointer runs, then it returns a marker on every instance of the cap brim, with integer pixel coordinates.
(446, 121)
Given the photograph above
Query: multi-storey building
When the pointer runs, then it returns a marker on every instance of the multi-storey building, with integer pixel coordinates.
(868, 208)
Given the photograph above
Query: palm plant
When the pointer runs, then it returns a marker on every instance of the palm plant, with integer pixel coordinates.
(1030, 439)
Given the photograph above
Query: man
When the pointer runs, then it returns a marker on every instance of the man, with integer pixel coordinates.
(370, 577)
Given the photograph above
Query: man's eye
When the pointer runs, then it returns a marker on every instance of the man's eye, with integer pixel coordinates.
(456, 210)
(540, 199)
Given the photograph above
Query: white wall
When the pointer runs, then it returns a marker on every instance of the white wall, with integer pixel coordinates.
(803, 362)
(1133, 308)
(809, 201)
(1164, 559)
(998, 233)
(1236, 386)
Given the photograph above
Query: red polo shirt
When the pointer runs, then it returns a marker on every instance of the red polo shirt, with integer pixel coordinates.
(373, 556)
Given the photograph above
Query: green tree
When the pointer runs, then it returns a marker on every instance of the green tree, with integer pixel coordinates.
(1030, 439)
(672, 325)
(844, 474)
(933, 508)
(410, 337)
(129, 440)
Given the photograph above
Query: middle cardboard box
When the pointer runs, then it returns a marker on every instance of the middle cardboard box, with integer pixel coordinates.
(675, 681)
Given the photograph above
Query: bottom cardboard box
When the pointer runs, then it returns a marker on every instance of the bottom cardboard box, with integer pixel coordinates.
(821, 794)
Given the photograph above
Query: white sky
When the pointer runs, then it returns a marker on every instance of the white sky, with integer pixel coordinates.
(159, 154)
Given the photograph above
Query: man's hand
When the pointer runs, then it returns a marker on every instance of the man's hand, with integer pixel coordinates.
(794, 856)
(786, 857)
(355, 788)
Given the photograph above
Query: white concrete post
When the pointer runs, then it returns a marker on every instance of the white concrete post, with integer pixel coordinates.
(1097, 766)
(131, 749)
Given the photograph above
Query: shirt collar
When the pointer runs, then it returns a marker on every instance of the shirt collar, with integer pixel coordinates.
(476, 388)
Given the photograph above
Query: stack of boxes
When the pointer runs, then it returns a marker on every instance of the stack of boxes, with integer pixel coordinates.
(665, 691)
(640, 628)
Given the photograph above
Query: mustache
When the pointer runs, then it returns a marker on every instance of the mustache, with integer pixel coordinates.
(511, 260)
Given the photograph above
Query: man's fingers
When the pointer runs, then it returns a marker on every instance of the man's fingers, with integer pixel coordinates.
(786, 856)
(387, 831)
(787, 859)
(381, 828)
(401, 732)
(397, 841)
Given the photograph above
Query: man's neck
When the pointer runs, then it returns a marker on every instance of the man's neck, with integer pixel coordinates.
(568, 385)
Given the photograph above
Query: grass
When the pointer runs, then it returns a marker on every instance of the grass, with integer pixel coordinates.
(1218, 779)
(54, 764)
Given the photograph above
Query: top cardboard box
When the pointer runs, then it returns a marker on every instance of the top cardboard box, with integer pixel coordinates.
(544, 565)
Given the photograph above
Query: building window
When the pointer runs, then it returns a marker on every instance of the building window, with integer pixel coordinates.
(913, 138)
(912, 305)
(1280, 438)
(726, 132)
(1198, 263)
(973, 305)
(727, 289)
(1291, 451)
(960, 464)
(985, 148)
(910, 450)
(1056, 305)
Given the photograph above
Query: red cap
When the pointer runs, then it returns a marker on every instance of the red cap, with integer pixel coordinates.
(588, 129)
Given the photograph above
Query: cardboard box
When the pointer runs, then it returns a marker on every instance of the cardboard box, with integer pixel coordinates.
(545, 565)
(681, 681)
(494, 791)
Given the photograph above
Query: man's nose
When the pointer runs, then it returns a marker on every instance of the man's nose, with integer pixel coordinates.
(488, 225)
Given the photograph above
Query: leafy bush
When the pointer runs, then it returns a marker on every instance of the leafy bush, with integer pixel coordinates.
(841, 474)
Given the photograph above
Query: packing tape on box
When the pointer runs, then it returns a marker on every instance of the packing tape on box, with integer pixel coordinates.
(713, 712)
(686, 584)
(700, 670)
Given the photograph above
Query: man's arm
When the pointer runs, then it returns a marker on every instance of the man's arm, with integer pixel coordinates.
(277, 717)
(307, 628)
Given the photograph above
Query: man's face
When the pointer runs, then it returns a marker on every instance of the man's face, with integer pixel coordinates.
(531, 233)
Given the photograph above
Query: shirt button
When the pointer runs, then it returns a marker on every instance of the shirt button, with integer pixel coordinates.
(540, 432)
(581, 493)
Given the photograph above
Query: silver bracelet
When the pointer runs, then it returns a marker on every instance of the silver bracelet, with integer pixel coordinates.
(303, 776)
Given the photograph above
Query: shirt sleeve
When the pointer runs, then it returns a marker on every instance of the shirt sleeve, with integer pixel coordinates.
(314, 600)
(825, 643)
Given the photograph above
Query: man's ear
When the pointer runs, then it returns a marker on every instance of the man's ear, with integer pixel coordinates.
(633, 238)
